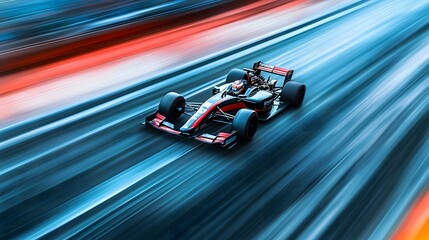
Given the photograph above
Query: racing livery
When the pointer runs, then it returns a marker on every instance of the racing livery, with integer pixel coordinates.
(245, 98)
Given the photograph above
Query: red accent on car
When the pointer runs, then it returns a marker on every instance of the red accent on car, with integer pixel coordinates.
(263, 109)
(203, 139)
(220, 138)
(276, 70)
(223, 134)
(220, 141)
(158, 120)
(234, 106)
(158, 115)
(280, 71)
(266, 69)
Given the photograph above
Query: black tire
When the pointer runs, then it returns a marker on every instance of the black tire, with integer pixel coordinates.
(235, 74)
(245, 123)
(172, 106)
(293, 93)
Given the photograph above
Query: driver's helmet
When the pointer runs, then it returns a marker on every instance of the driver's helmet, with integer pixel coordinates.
(238, 87)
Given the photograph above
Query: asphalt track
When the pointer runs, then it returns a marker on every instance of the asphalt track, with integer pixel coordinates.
(348, 164)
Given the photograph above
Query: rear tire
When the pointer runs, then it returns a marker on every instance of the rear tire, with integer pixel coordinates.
(171, 106)
(293, 94)
(245, 123)
(235, 74)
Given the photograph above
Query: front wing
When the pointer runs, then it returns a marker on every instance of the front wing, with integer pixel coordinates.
(223, 139)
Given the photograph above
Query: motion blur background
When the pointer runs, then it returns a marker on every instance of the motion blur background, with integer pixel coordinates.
(77, 78)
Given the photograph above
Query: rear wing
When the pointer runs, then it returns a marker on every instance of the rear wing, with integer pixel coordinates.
(260, 66)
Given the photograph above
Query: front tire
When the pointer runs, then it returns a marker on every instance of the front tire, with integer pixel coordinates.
(245, 123)
(293, 94)
(171, 106)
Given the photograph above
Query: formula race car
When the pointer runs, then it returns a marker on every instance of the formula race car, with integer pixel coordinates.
(245, 98)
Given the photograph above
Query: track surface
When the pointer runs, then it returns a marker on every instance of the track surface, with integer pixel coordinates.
(348, 163)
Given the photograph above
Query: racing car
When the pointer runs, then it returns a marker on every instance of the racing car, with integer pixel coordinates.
(260, 99)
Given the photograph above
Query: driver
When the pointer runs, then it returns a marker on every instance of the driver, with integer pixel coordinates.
(239, 87)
